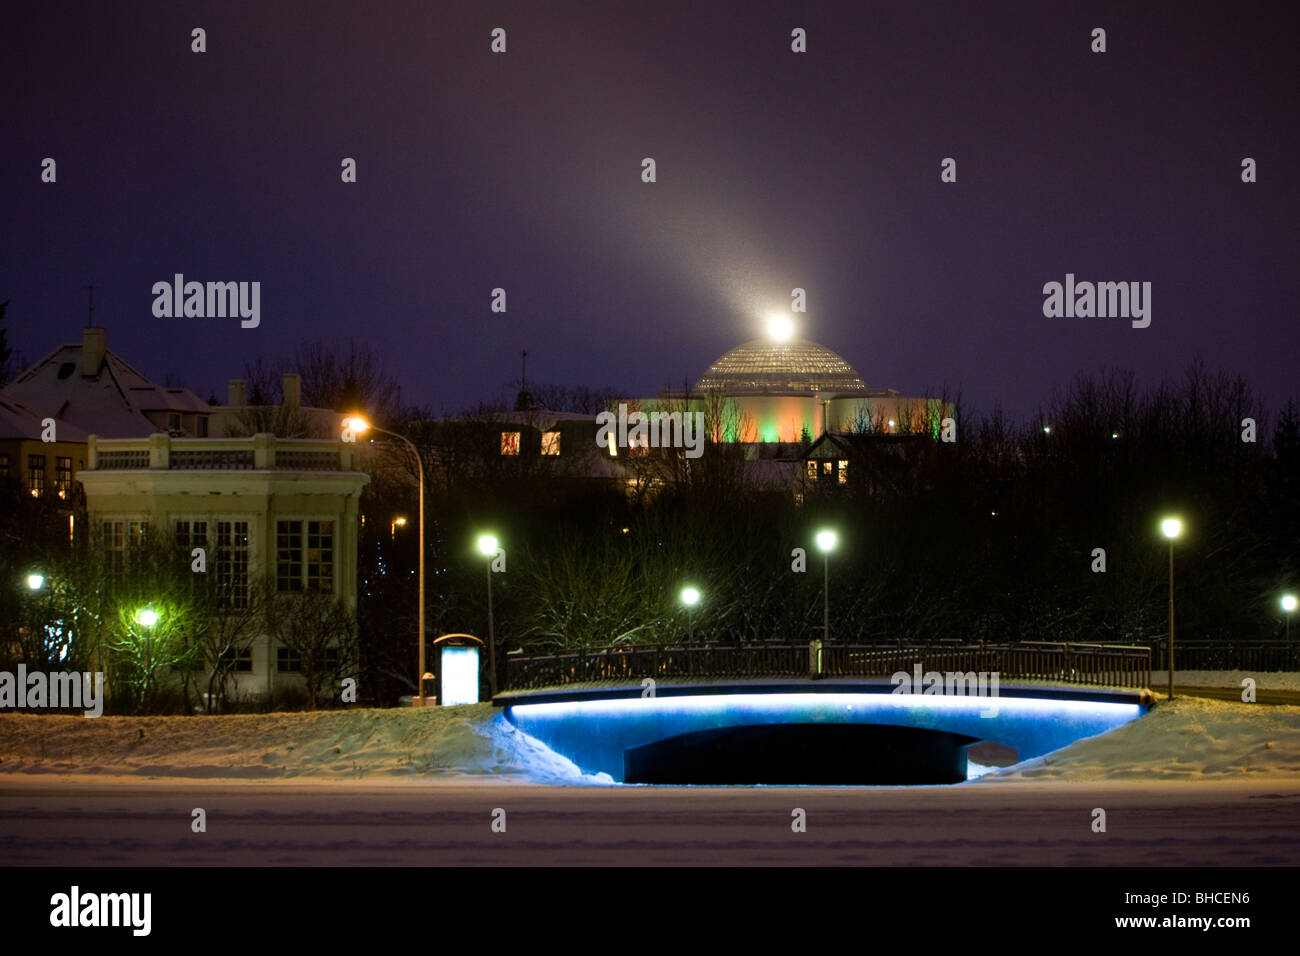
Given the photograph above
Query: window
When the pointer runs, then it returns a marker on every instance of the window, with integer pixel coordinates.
(36, 475)
(238, 660)
(288, 661)
(843, 467)
(288, 556)
(120, 537)
(550, 443)
(232, 563)
(510, 443)
(173, 422)
(62, 476)
(826, 468)
(4, 466)
(304, 555)
(812, 471)
(201, 426)
(191, 535)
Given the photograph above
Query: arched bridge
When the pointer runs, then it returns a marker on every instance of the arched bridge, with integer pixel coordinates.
(791, 714)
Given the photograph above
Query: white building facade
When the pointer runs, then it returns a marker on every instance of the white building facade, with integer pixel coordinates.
(276, 513)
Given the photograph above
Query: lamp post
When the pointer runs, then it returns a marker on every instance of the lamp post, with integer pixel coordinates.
(1288, 603)
(358, 425)
(826, 541)
(1171, 528)
(488, 546)
(35, 581)
(690, 597)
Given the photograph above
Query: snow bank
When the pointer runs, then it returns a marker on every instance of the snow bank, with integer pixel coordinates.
(1189, 738)
(474, 740)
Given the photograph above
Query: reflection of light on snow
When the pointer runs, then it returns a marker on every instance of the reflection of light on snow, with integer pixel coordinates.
(974, 769)
(518, 752)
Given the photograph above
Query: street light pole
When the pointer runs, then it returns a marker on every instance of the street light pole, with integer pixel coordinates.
(826, 541)
(1171, 528)
(1171, 618)
(361, 425)
(492, 660)
(490, 547)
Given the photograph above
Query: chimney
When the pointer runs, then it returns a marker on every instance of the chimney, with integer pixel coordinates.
(92, 351)
(237, 393)
(291, 389)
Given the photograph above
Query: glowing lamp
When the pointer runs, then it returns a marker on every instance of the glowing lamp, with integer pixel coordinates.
(780, 328)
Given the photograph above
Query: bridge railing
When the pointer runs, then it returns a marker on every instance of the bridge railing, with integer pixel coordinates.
(1245, 655)
(1112, 665)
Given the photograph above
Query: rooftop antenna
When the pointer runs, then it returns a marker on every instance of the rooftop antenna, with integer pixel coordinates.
(90, 316)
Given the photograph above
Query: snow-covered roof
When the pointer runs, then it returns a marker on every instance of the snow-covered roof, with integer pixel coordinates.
(111, 402)
(18, 422)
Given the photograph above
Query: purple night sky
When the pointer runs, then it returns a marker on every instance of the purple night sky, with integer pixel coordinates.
(775, 170)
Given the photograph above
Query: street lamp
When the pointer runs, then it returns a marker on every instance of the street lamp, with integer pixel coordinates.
(488, 546)
(357, 425)
(35, 581)
(690, 597)
(146, 616)
(1288, 603)
(826, 541)
(1171, 528)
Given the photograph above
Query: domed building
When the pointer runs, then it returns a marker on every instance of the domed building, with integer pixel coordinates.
(784, 390)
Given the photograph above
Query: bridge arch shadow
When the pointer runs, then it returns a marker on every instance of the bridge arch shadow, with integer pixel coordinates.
(815, 754)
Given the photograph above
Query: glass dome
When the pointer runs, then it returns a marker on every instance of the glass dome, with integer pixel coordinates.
(795, 367)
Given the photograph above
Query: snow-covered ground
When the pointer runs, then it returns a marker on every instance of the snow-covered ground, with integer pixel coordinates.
(1188, 739)
(1264, 680)
(473, 740)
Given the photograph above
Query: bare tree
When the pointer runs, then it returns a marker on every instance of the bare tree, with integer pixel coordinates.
(316, 627)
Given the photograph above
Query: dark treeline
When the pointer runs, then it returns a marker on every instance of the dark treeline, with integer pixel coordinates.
(992, 537)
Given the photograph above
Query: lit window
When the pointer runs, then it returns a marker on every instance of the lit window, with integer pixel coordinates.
(510, 443)
(812, 471)
(844, 472)
(36, 475)
(62, 476)
(826, 468)
(4, 466)
(550, 443)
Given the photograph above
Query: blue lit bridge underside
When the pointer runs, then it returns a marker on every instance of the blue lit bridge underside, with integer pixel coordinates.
(803, 731)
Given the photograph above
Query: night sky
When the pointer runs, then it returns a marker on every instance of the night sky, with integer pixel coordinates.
(775, 170)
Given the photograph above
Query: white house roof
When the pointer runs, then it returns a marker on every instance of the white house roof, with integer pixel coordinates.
(18, 422)
(109, 403)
